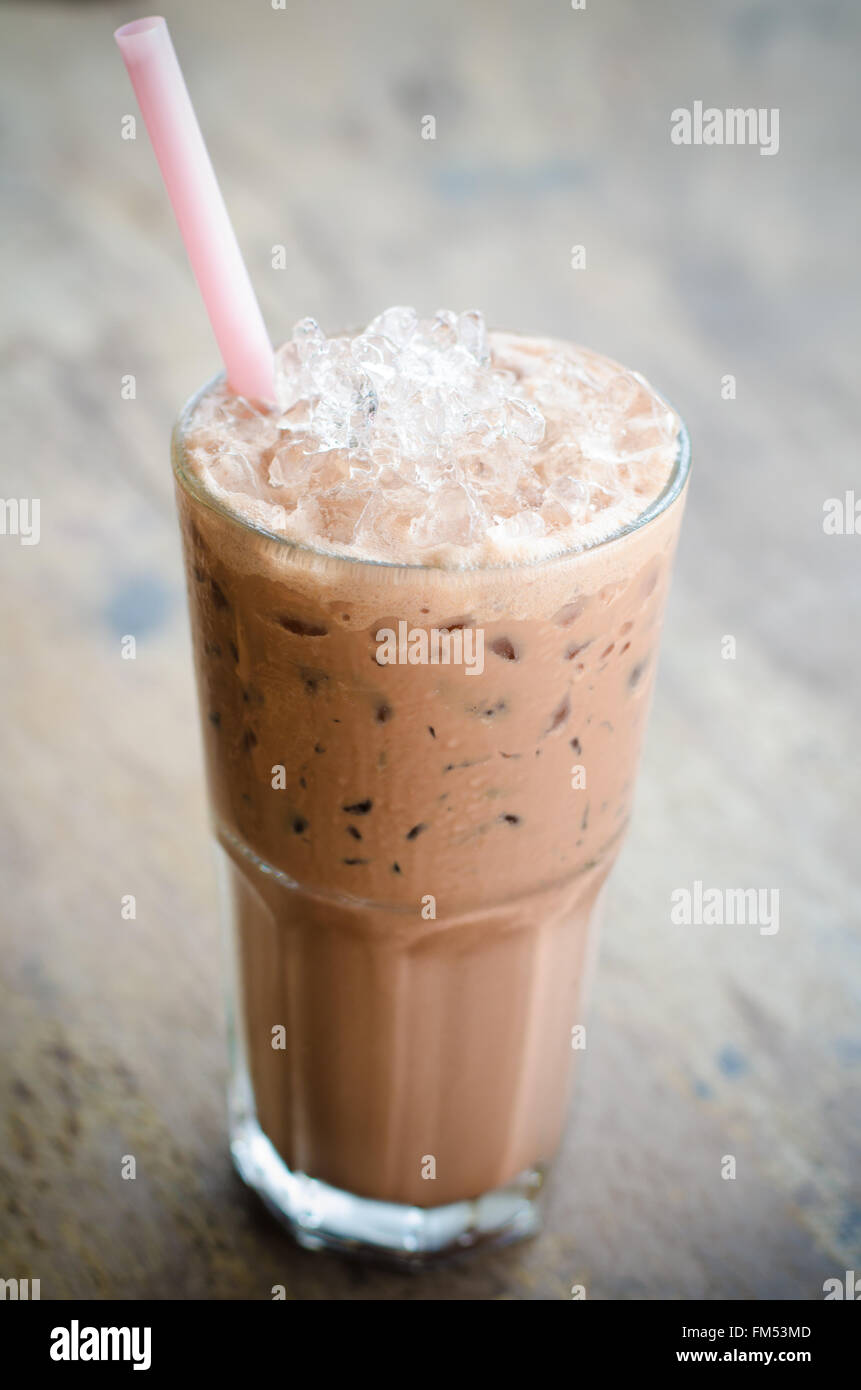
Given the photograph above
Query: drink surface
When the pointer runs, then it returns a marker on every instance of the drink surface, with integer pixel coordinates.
(433, 442)
(416, 849)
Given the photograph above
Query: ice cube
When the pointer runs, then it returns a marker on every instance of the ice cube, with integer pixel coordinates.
(523, 526)
(572, 493)
(449, 518)
(472, 335)
(525, 421)
(398, 324)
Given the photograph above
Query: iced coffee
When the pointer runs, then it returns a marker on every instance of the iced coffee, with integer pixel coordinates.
(426, 593)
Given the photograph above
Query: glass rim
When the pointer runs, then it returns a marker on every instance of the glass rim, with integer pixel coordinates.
(671, 490)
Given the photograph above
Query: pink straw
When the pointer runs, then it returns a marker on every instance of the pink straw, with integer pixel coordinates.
(199, 207)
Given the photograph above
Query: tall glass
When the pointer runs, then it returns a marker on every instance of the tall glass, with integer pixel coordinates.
(412, 854)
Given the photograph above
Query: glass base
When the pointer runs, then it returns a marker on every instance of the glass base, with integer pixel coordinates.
(321, 1217)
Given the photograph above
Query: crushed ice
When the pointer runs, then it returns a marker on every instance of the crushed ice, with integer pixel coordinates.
(413, 435)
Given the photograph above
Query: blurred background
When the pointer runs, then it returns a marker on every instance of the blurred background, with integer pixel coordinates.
(552, 131)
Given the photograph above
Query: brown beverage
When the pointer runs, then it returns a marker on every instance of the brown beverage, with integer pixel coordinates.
(426, 596)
